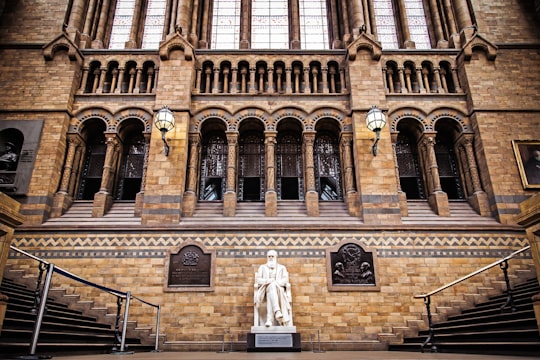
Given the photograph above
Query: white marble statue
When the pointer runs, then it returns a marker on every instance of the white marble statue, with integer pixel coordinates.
(272, 294)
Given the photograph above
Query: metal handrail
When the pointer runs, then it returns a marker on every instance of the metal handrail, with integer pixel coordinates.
(51, 268)
(503, 263)
(474, 273)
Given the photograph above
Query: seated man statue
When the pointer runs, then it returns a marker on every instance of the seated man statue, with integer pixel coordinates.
(272, 294)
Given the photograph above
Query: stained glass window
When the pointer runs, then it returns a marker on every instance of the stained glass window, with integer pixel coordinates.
(123, 18)
(153, 25)
(313, 24)
(416, 17)
(269, 24)
(386, 24)
(225, 24)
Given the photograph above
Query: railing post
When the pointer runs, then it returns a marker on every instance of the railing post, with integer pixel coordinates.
(431, 336)
(37, 293)
(509, 293)
(158, 317)
(122, 350)
(40, 314)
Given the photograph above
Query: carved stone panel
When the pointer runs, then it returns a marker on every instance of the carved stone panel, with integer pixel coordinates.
(351, 266)
(190, 267)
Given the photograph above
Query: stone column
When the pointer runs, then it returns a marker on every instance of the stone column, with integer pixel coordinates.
(402, 197)
(121, 72)
(103, 198)
(270, 198)
(139, 198)
(402, 84)
(192, 36)
(311, 196)
(215, 85)
(455, 79)
(357, 14)
(419, 78)
(307, 88)
(437, 76)
(245, 24)
(226, 72)
(351, 195)
(10, 218)
(438, 200)
(88, 22)
(190, 196)
(97, 43)
(63, 199)
(270, 80)
(463, 18)
(234, 81)
(135, 25)
(529, 218)
(437, 26)
(478, 199)
(295, 24)
(229, 198)
(288, 80)
(138, 77)
(404, 22)
(347, 38)
(75, 19)
(326, 90)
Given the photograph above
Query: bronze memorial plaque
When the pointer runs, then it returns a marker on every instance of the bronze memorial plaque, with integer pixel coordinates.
(189, 269)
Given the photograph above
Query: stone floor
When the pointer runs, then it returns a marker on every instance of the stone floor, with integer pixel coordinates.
(305, 355)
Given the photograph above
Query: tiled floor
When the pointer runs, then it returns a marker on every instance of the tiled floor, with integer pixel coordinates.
(305, 355)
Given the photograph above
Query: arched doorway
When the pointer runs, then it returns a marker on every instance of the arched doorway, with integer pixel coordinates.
(94, 159)
(132, 164)
(289, 174)
(251, 165)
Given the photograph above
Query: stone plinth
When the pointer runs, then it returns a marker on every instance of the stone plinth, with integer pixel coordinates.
(273, 338)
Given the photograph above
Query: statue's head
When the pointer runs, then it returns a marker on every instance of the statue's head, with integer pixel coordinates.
(271, 257)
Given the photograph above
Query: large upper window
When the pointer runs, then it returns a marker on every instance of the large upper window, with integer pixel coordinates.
(152, 28)
(269, 24)
(225, 24)
(414, 17)
(313, 24)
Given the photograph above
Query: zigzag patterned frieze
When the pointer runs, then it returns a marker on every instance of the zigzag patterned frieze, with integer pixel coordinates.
(265, 240)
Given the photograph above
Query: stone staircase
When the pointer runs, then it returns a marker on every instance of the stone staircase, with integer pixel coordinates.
(485, 329)
(70, 326)
(461, 212)
(290, 215)
(80, 215)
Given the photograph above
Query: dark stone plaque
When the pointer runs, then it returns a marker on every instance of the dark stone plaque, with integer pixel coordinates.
(351, 267)
(189, 268)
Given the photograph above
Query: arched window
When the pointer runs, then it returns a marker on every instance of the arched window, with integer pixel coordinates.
(447, 162)
(251, 166)
(327, 167)
(94, 160)
(132, 164)
(290, 180)
(213, 167)
(410, 176)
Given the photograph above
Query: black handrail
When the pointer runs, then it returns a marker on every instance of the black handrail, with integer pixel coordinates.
(503, 263)
(41, 300)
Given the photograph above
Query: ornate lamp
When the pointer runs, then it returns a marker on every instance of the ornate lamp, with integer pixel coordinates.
(375, 121)
(164, 121)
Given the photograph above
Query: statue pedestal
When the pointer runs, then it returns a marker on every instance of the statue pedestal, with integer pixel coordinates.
(273, 338)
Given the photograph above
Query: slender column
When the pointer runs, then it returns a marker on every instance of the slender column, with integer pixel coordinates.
(296, 79)
(215, 87)
(172, 20)
(194, 146)
(95, 85)
(437, 76)
(270, 80)
(407, 42)
(449, 13)
(436, 21)
(121, 72)
(442, 74)
(150, 79)
(229, 200)
(114, 80)
(145, 161)
(369, 16)
(75, 19)
(314, 74)
(455, 78)
(307, 88)
(84, 79)
(343, 81)
(243, 80)
(279, 80)
(203, 36)
(193, 38)
(270, 197)
(311, 196)
(183, 14)
(288, 80)
(226, 72)
(135, 26)
(295, 24)
(88, 22)
(245, 24)
(346, 151)
(132, 76)
(419, 77)
(251, 81)
(462, 14)
(260, 72)
(471, 163)
(73, 144)
(402, 81)
(97, 43)
(429, 143)
(102, 77)
(408, 80)
(156, 78)
(389, 73)
(198, 76)
(385, 79)
(138, 81)
(427, 85)
(346, 22)
(357, 14)
(208, 82)
(332, 84)
(234, 80)
(108, 167)
(326, 90)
